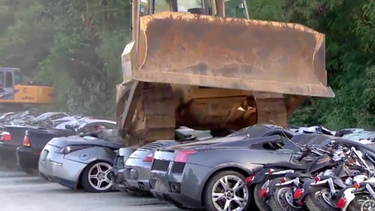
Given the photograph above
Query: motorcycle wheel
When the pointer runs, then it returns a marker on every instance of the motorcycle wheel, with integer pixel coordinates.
(282, 200)
(320, 199)
(261, 204)
(356, 204)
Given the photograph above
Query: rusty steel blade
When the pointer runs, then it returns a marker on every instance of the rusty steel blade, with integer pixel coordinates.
(199, 50)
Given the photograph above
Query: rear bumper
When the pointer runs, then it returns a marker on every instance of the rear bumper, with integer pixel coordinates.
(137, 174)
(27, 158)
(8, 154)
(177, 199)
(181, 189)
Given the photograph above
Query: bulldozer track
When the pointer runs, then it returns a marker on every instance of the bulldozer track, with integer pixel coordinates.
(158, 102)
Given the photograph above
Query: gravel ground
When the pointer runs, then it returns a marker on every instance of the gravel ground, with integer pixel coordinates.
(21, 192)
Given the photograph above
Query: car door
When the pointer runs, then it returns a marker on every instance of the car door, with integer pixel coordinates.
(268, 155)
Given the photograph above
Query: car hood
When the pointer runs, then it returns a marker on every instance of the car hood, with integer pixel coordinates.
(85, 140)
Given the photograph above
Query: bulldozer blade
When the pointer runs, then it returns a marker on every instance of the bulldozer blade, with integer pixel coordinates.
(199, 50)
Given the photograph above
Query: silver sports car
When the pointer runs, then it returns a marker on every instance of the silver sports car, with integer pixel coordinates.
(80, 161)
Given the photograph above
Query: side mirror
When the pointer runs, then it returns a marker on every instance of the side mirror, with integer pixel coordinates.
(69, 127)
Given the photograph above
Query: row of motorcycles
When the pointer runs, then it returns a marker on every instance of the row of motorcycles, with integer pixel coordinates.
(331, 178)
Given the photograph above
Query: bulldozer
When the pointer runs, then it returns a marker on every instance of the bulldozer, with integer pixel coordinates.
(205, 65)
(15, 96)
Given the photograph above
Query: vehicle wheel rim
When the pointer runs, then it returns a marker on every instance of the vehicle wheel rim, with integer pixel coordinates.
(285, 199)
(99, 176)
(230, 193)
(326, 197)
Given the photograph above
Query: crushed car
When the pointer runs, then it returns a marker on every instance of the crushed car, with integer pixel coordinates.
(35, 139)
(83, 161)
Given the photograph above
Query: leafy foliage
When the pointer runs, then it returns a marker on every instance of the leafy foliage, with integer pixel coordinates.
(75, 45)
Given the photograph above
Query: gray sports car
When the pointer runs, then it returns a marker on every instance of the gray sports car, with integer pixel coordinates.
(212, 175)
(80, 161)
(138, 166)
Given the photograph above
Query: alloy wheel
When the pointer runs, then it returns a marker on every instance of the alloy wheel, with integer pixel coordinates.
(99, 176)
(230, 193)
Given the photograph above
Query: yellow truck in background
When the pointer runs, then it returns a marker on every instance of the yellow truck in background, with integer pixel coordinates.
(15, 96)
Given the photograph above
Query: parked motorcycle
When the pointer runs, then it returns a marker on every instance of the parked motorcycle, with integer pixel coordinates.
(324, 194)
(261, 180)
(359, 196)
(318, 183)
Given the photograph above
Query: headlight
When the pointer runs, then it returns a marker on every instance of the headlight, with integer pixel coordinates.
(72, 148)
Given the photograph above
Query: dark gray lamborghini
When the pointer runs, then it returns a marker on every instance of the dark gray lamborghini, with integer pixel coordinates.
(211, 174)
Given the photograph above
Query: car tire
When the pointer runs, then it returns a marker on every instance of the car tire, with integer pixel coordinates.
(91, 174)
(214, 183)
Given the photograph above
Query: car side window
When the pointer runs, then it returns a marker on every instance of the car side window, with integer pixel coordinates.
(271, 145)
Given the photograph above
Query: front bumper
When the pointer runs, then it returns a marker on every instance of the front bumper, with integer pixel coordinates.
(8, 154)
(27, 158)
(58, 169)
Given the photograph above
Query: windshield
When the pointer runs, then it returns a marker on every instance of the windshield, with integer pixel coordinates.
(17, 78)
(162, 5)
(235, 9)
(189, 5)
(360, 135)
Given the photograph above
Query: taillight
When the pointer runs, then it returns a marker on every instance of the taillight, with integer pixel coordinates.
(5, 136)
(248, 180)
(341, 203)
(356, 185)
(182, 156)
(26, 141)
(262, 193)
(298, 193)
(149, 158)
(282, 179)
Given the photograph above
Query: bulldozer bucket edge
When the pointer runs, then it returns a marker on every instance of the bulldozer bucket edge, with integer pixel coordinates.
(199, 50)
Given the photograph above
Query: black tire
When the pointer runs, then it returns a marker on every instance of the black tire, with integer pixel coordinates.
(207, 193)
(261, 204)
(85, 181)
(273, 201)
(318, 204)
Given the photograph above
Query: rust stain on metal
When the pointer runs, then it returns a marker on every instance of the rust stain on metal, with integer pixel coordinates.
(200, 46)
